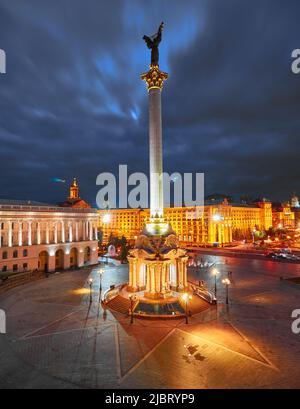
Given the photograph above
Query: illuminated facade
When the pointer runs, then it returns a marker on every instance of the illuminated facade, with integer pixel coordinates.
(218, 223)
(284, 216)
(37, 236)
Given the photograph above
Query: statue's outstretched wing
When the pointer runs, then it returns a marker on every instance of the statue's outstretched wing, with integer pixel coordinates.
(148, 41)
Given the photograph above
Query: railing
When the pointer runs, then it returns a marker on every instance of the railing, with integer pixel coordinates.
(112, 293)
(14, 280)
(203, 293)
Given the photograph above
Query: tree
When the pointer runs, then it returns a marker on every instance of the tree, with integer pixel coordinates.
(124, 249)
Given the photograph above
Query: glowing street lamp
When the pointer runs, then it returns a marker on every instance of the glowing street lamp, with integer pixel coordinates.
(226, 282)
(217, 217)
(215, 273)
(90, 284)
(101, 271)
(106, 218)
(186, 297)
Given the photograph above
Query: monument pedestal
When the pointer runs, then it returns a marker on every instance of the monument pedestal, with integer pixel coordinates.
(158, 265)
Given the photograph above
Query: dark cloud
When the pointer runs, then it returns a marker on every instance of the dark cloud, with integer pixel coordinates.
(72, 102)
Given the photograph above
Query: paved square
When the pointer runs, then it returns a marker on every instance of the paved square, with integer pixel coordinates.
(55, 338)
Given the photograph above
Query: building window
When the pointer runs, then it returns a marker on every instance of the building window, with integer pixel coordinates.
(25, 253)
(15, 254)
(4, 255)
(15, 267)
(25, 266)
(4, 268)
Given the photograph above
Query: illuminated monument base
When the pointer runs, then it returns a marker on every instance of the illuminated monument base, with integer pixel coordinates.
(157, 266)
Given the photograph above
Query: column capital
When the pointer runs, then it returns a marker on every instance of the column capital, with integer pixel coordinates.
(154, 78)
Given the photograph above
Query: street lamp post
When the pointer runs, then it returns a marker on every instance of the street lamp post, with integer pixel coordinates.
(215, 272)
(132, 299)
(226, 282)
(100, 273)
(90, 284)
(253, 236)
(186, 297)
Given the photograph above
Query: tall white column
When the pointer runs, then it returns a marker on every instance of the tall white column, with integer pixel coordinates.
(86, 229)
(9, 234)
(62, 231)
(47, 233)
(76, 231)
(155, 146)
(70, 232)
(90, 230)
(20, 234)
(96, 233)
(152, 279)
(55, 233)
(38, 233)
(83, 230)
(29, 234)
(148, 278)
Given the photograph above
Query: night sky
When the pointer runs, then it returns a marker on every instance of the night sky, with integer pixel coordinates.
(72, 102)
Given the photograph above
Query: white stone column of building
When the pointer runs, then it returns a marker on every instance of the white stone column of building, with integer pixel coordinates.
(87, 229)
(90, 230)
(38, 232)
(47, 233)
(76, 231)
(147, 278)
(70, 232)
(63, 231)
(1, 234)
(155, 147)
(20, 241)
(9, 234)
(83, 230)
(29, 233)
(55, 233)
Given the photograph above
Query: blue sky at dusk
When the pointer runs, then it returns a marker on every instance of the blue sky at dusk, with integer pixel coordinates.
(72, 102)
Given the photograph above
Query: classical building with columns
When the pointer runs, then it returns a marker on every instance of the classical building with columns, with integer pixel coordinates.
(46, 237)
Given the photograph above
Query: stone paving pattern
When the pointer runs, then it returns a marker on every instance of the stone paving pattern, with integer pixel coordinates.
(56, 339)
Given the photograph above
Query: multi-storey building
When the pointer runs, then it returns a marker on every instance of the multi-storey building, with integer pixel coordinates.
(45, 237)
(217, 223)
(283, 216)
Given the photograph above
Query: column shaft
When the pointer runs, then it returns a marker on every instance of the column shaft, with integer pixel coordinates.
(155, 148)
(20, 233)
(29, 234)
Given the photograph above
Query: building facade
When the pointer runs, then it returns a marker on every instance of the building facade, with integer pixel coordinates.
(36, 236)
(284, 216)
(218, 223)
